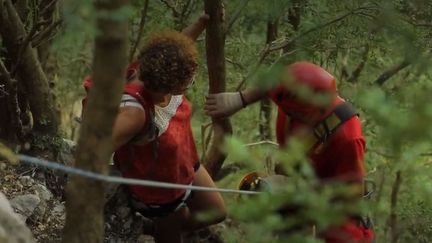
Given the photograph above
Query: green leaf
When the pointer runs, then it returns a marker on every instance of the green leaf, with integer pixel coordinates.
(7, 154)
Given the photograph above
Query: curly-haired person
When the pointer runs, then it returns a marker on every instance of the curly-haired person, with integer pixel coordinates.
(153, 139)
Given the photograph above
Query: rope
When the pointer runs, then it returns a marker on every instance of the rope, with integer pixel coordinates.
(261, 143)
(122, 180)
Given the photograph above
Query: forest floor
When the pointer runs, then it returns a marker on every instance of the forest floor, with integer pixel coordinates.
(43, 212)
(38, 197)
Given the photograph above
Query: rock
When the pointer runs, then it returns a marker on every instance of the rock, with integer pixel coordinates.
(43, 193)
(26, 181)
(59, 210)
(127, 225)
(145, 239)
(123, 212)
(45, 196)
(25, 205)
(12, 228)
(66, 155)
(3, 166)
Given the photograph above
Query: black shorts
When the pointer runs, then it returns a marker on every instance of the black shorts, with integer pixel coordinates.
(159, 210)
(164, 209)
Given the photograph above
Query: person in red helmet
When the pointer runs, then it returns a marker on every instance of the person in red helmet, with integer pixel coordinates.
(309, 108)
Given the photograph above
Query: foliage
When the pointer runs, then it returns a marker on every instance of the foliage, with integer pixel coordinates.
(48, 143)
(7, 154)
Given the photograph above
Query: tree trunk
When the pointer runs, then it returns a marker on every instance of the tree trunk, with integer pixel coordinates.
(215, 42)
(265, 104)
(28, 70)
(393, 223)
(84, 222)
(294, 17)
(47, 60)
(11, 127)
(265, 119)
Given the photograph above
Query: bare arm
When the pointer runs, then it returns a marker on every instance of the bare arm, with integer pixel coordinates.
(251, 96)
(129, 122)
(196, 28)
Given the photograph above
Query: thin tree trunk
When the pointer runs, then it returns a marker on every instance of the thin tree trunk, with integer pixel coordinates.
(294, 17)
(215, 42)
(394, 230)
(28, 70)
(84, 208)
(265, 104)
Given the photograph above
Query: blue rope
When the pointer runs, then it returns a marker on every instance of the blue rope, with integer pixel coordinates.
(122, 180)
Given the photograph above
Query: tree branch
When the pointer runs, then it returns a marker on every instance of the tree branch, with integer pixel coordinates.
(356, 73)
(140, 31)
(186, 10)
(171, 7)
(48, 7)
(234, 63)
(414, 23)
(33, 78)
(45, 34)
(391, 72)
(27, 40)
(252, 71)
(275, 47)
(236, 15)
(12, 103)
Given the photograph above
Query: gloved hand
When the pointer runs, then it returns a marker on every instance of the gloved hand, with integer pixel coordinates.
(223, 104)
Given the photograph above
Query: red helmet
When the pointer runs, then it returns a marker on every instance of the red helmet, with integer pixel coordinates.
(299, 91)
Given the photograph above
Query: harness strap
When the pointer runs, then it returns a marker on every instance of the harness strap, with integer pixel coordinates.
(328, 125)
(160, 210)
(144, 99)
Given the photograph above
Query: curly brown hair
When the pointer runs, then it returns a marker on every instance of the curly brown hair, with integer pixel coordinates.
(168, 61)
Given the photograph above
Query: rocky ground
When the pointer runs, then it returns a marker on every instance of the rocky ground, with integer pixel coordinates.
(28, 195)
(37, 197)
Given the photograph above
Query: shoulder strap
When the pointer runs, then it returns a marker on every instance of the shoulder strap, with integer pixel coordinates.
(330, 124)
(150, 131)
(143, 97)
(140, 94)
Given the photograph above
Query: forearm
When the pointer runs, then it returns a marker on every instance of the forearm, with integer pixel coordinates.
(251, 96)
(196, 28)
(128, 124)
